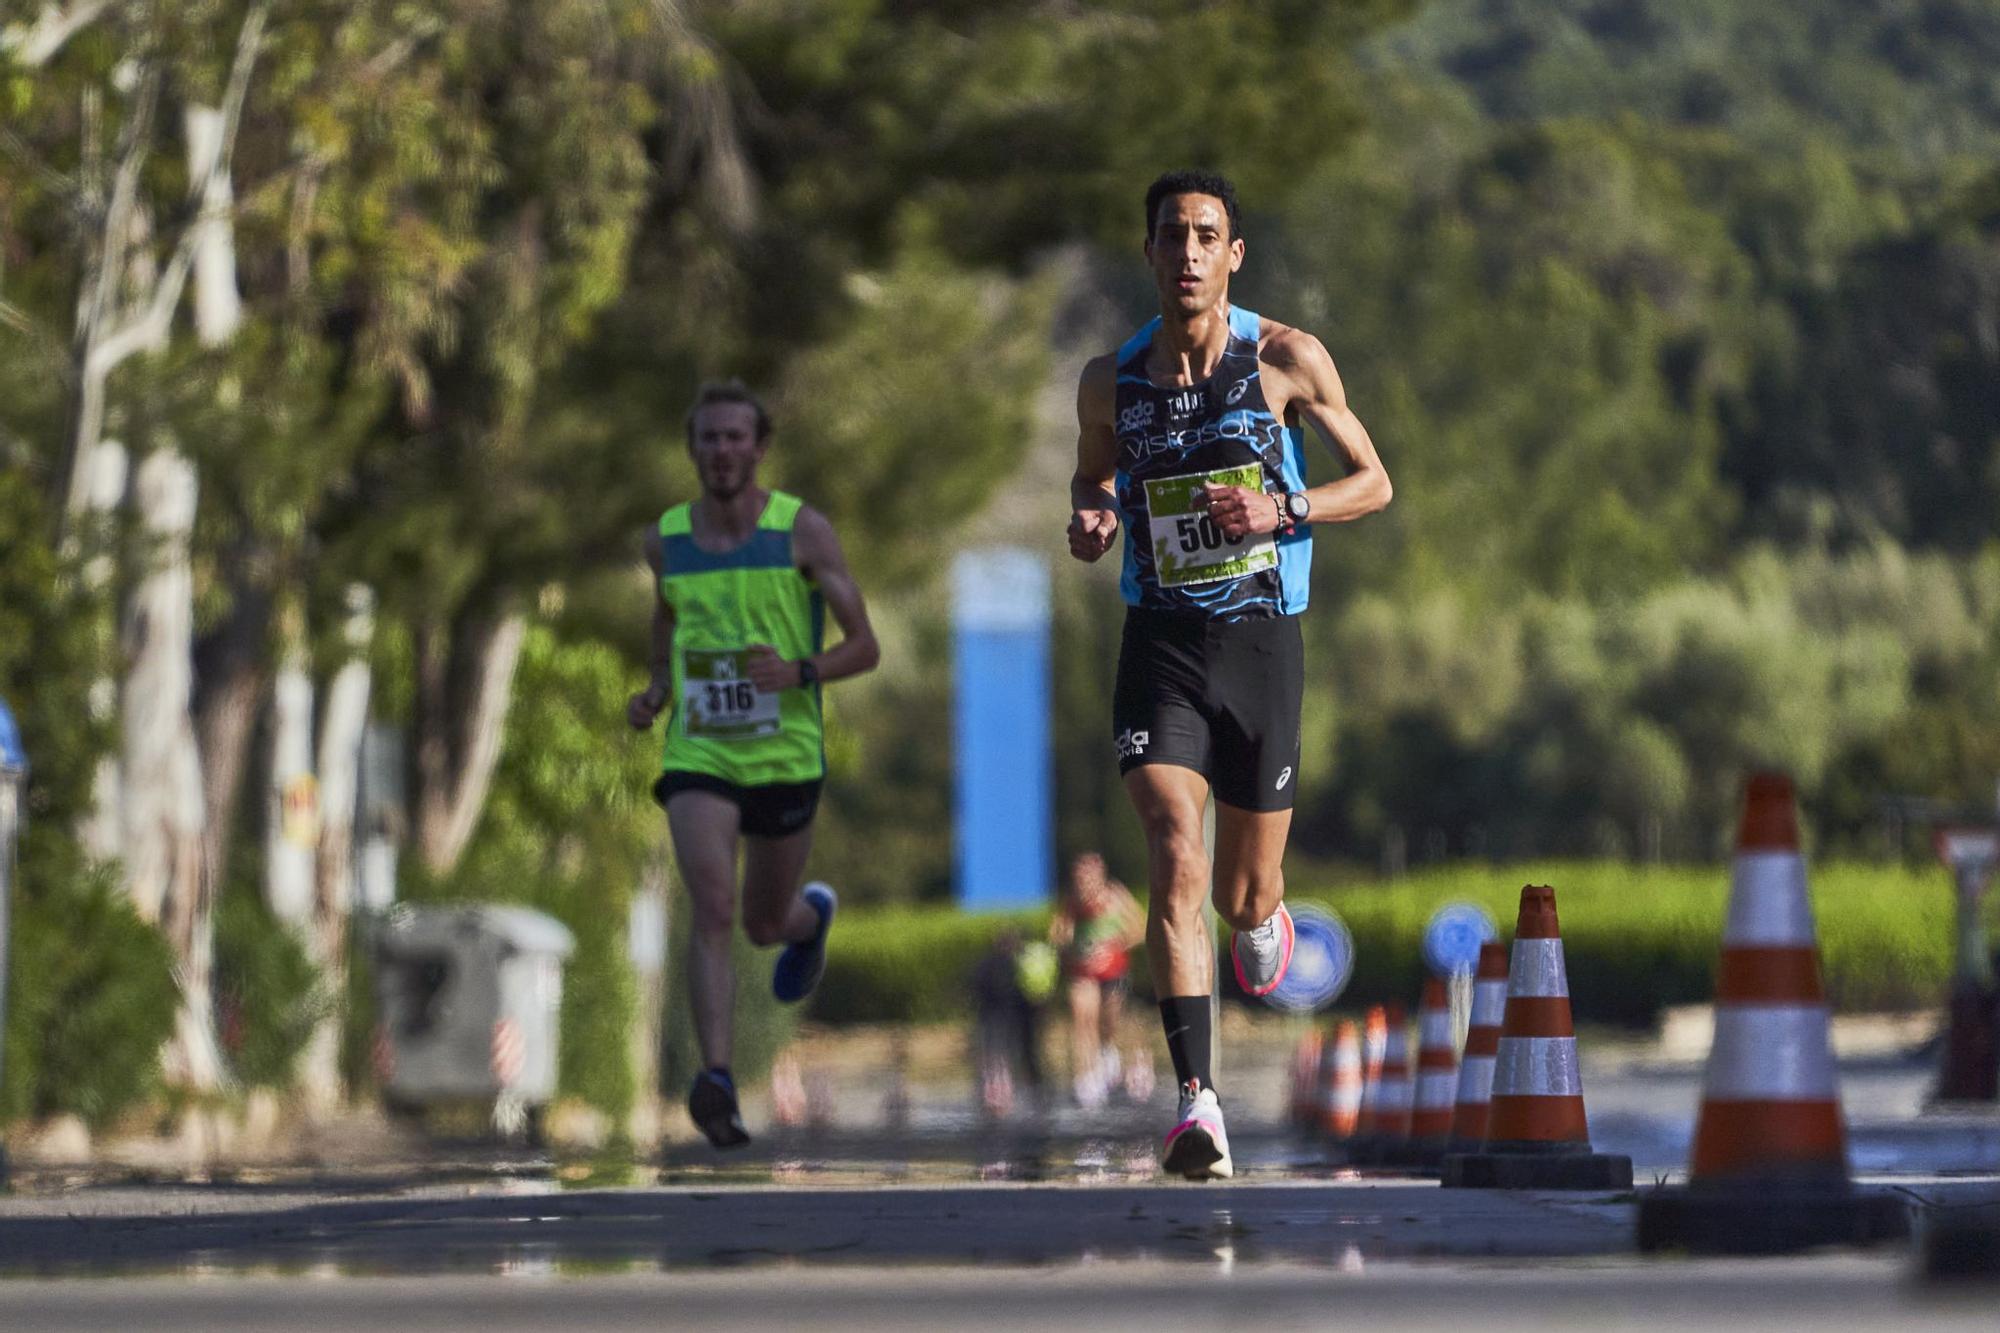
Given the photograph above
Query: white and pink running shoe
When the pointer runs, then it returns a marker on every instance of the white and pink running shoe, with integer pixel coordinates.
(1262, 955)
(1198, 1147)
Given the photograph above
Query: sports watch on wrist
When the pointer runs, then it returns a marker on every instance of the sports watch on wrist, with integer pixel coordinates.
(1297, 507)
(808, 673)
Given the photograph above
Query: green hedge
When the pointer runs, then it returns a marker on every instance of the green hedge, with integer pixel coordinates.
(908, 964)
(91, 997)
(1637, 938)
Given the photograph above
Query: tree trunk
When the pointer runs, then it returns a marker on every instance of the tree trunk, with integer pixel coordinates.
(102, 832)
(465, 681)
(218, 306)
(230, 673)
(164, 812)
(291, 795)
(127, 305)
(342, 727)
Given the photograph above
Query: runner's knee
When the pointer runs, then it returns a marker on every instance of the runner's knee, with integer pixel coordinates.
(1173, 837)
(1245, 898)
(714, 913)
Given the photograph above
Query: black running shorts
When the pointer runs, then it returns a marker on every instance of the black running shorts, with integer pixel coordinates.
(773, 810)
(1218, 696)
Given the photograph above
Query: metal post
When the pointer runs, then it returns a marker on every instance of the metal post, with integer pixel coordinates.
(1971, 1068)
(1213, 922)
(13, 776)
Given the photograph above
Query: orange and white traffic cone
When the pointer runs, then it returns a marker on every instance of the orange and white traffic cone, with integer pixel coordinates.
(1537, 1136)
(1393, 1090)
(1769, 1169)
(1374, 1043)
(1482, 1044)
(1340, 1081)
(1437, 1075)
(1385, 1116)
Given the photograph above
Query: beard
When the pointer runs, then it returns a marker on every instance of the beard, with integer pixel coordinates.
(727, 487)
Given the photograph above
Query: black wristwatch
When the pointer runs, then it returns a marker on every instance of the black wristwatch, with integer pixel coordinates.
(1297, 507)
(808, 673)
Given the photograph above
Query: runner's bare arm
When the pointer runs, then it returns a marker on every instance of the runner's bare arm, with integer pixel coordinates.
(647, 704)
(1093, 523)
(821, 560)
(1302, 385)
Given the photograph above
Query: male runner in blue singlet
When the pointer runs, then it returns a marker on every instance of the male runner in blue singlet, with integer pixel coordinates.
(1189, 438)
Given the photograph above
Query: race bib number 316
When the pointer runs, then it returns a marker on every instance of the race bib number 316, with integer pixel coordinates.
(718, 699)
(1188, 547)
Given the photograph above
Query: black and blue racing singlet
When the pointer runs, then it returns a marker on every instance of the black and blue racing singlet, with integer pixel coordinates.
(1219, 432)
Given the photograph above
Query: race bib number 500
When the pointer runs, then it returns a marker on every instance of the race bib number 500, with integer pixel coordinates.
(718, 699)
(1187, 546)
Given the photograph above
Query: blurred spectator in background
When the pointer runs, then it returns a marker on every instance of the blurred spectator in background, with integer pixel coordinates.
(1009, 986)
(1096, 925)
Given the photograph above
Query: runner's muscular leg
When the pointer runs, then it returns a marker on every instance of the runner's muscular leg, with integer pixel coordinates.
(773, 911)
(1170, 801)
(704, 828)
(1249, 864)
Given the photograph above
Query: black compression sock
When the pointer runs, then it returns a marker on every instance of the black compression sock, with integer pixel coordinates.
(1185, 1018)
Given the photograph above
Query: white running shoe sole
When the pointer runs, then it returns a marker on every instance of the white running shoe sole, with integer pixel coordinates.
(1193, 1155)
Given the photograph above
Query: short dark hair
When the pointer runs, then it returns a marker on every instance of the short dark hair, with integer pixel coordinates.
(1192, 182)
(729, 391)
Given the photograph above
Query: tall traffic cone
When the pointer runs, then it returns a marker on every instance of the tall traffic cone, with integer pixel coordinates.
(1437, 1077)
(1482, 1044)
(1340, 1081)
(1769, 1169)
(1537, 1136)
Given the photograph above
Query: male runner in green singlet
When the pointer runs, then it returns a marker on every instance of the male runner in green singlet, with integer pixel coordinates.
(743, 578)
(1189, 438)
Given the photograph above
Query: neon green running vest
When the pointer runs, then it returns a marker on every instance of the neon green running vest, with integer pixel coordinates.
(722, 603)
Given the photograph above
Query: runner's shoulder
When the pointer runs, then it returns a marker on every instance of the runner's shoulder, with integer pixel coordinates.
(812, 535)
(1296, 365)
(1290, 350)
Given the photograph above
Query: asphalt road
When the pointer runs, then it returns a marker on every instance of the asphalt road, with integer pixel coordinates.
(1821, 1293)
(1029, 1223)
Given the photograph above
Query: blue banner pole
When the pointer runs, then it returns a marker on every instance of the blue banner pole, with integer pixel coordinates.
(1003, 800)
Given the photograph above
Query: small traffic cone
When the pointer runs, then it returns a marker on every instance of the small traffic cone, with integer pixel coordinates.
(1387, 1129)
(1537, 1136)
(1437, 1075)
(1340, 1081)
(1374, 1043)
(1482, 1044)
(1392, 1090)
(1769, 1169)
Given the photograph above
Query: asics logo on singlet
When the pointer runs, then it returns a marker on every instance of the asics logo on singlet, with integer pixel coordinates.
(1133, 743)
(1284, 777)
(1136, 417)
(1236, 392)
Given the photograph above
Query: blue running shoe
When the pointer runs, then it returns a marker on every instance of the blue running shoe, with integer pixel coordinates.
(801, 965)
(712, 1107)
